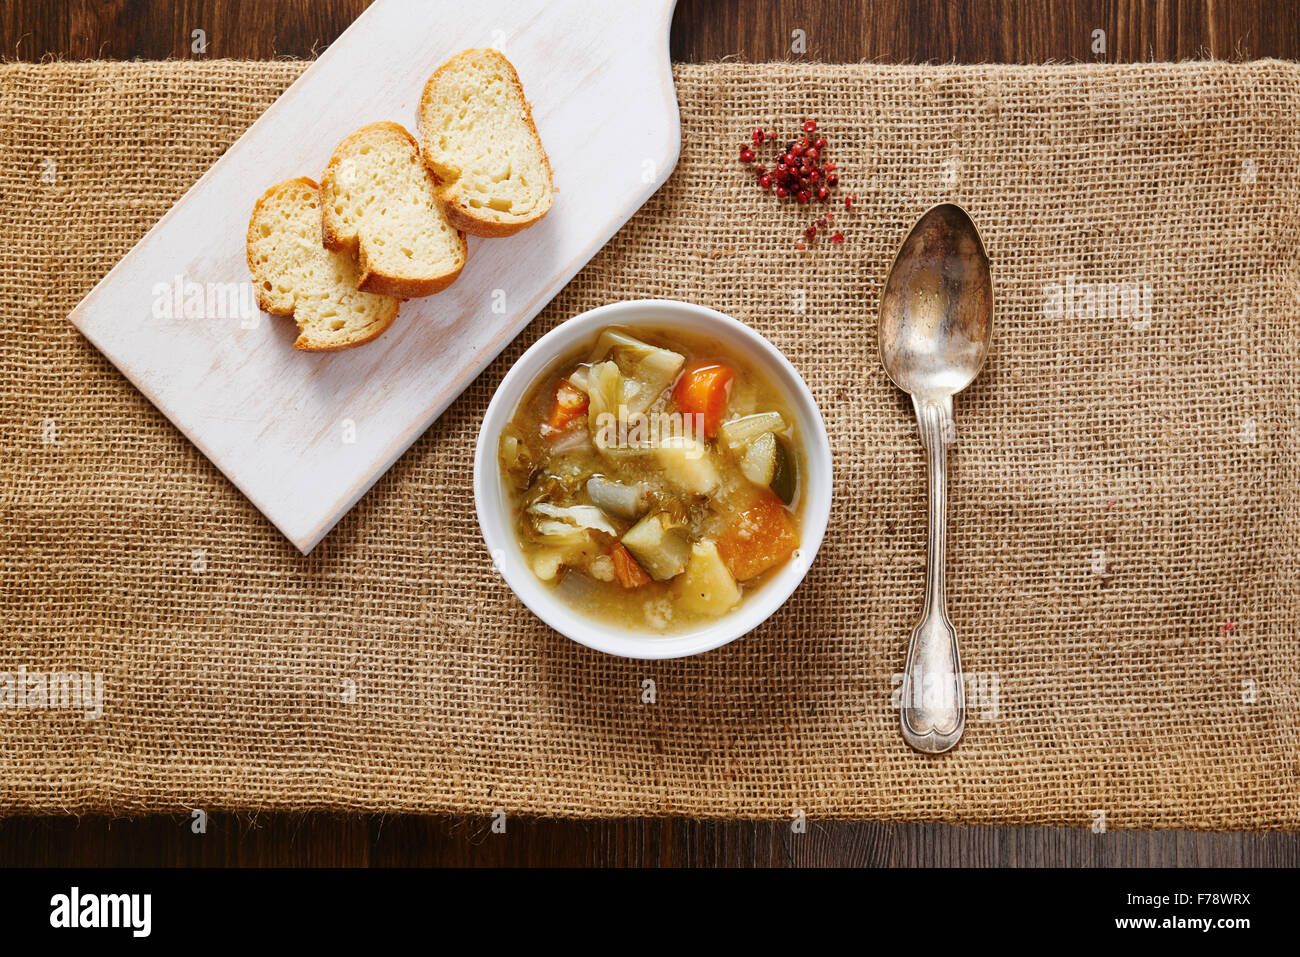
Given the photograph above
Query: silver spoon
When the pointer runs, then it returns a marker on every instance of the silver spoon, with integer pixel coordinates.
(936, 319)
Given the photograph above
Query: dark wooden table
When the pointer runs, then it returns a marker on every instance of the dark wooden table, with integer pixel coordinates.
(1006, 31)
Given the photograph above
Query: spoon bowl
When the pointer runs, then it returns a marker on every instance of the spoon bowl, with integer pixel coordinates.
(936, 313)
(936, 322)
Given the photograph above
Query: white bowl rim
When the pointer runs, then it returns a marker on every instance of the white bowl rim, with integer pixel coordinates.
(496, 524)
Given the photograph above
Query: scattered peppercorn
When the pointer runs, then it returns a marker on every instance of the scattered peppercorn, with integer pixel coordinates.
(800, 170)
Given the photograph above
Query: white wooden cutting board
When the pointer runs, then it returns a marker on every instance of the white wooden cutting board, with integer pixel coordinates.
(304, 435)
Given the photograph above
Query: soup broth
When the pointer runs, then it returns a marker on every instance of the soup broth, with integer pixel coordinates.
(655, 479)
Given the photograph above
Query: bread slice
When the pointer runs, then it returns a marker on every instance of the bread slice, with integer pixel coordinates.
(478, 137)
(378, 204)
(295, 275)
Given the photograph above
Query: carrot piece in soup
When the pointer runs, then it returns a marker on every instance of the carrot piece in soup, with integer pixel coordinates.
(626, 569)
(762, 537)
(704, 390)
(569, 404)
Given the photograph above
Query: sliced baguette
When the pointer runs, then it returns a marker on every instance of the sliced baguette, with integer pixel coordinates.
(295, 275)
(378, 204)
(478, 137)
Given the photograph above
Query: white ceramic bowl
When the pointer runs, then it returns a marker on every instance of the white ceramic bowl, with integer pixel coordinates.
(494, 508)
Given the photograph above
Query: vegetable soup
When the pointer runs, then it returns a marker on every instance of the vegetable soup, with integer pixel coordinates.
(655, 479)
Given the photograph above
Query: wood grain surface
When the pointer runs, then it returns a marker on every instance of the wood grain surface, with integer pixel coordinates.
(1006, 31)
(897, 31)
(321, 840)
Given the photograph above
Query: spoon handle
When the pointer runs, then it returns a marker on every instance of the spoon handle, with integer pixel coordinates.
(934, 694)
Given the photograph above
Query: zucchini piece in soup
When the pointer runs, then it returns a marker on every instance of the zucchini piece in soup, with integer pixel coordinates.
(765, 457)
(738, 433)
(758, 463)
(659, 545)
(768, 462)
(785, 475)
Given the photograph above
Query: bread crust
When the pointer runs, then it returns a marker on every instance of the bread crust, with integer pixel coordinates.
(305, 342)
(372, 278)
(403, 288)
(458, 212)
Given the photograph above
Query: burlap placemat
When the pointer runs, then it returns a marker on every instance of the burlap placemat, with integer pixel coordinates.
(1125, 488)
